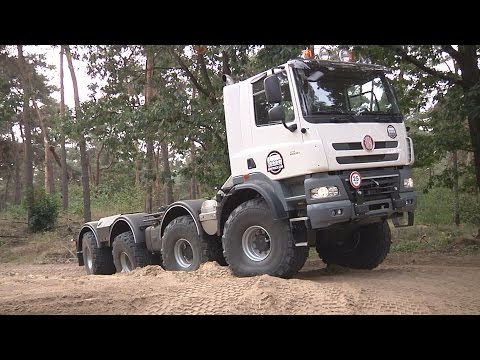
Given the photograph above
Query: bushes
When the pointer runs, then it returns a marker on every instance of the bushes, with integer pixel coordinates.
(107, 200)
(43, 211)
(437, 206)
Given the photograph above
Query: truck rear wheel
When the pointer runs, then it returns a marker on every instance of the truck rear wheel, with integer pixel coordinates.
(255, 244)
(301, 256)
(98, 261)
(182, 248)
(215, 250)
(128, 255)
(365, 248)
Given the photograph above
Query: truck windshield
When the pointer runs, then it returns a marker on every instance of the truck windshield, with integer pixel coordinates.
(346, 94)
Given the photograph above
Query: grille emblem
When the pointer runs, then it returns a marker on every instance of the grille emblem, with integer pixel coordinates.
(368, 143)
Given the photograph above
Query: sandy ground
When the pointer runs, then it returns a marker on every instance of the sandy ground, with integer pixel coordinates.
(404, 284)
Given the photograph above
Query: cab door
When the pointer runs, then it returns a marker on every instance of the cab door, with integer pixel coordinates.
(275, 150)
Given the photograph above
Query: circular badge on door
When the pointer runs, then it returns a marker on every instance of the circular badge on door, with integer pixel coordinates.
(391, 132)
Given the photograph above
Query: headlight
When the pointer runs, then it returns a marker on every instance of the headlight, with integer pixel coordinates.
(408, 183)
(324, 192)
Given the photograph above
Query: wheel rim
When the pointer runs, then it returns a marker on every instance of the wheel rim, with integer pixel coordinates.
(125, 262)
(256, 243)
(183, 253)
(88, 258)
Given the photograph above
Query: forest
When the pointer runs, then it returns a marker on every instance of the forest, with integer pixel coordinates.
(152, 129)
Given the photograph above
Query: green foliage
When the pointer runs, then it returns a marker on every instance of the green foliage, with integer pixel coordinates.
(43, 211)
(17, 211)
(436, 204)
(407, 246)
(106, 199)
(442, 130)
(75, 199)
(272, 55)
(435, 207)
(470, 209)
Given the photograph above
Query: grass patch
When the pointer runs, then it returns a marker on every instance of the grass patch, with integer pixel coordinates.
(431, 237)
(21, 246)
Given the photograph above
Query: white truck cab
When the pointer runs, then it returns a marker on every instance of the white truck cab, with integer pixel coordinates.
(340, 116)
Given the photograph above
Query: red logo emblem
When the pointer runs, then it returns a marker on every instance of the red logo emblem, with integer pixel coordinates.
(368, 142)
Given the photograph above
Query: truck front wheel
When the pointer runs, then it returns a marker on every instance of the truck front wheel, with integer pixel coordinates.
(364, 248)
(98, 261)
(128, 255)
(182, 248)
(255, 244)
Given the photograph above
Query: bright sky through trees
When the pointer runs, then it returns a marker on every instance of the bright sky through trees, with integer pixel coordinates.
(52, 57)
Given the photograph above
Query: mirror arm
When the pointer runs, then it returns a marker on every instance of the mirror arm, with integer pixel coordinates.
(291, 127)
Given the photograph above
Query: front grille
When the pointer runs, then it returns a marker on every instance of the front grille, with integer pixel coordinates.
(378, 188)
(358, 146)
(376, 185)
(360, 159)
(347, 146)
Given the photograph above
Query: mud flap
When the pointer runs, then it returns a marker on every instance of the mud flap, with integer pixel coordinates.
(398, 217)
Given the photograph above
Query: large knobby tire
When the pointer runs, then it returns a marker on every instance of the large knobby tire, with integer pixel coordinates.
(215, 250)
(98, 261)
(182, 248)
(128, 255)
(365, 248)
(255, 244)
(301, 256)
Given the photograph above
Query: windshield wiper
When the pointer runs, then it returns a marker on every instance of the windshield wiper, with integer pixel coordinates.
(378, 114)
(335, 111)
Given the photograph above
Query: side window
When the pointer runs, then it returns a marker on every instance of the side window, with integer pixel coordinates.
(260, 101)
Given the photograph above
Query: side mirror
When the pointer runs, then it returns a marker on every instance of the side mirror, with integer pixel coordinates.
(273, 91)
(277, 114)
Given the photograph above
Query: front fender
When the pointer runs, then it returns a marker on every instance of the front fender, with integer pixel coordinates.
(268, 194)
(125, 222)
(181, 208)
(89, 226)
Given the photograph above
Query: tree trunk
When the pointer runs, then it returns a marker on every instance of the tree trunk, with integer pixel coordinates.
(97, 169)
(167, 173)
(90, 172)
(27, 130)
(138, 166)
(474, 126)
(149, 169)
(87, 215)
(193, 181)
(455, 189)
(63, 151)
(17, 179)
(49, 184)
(18, 183)
(468, 65)
(7, 183)
(156, 154)
(149, 177)
(203, 70)
(226, 63)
